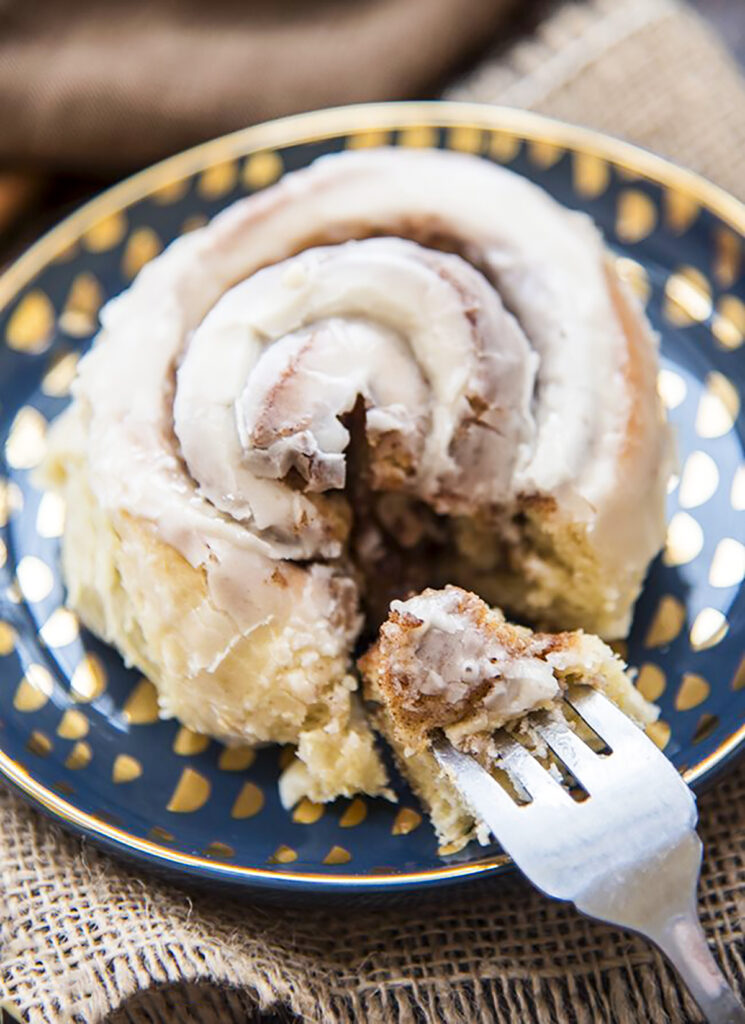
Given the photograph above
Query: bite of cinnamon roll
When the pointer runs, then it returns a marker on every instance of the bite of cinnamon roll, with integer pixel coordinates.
(446, 662)
(391, 370)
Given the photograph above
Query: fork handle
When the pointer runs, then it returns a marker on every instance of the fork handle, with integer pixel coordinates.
(683, 942)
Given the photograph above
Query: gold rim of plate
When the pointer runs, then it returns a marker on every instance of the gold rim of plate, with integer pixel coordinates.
(314, 127)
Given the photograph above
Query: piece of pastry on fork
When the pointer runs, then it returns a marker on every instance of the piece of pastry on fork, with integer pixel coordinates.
(444, 661)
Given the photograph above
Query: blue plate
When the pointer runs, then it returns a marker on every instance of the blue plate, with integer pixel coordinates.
(79, 734)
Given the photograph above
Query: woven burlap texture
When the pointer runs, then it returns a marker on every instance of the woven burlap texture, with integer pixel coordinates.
(83, 936)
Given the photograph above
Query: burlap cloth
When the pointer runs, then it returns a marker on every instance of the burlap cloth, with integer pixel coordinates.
(82, 936)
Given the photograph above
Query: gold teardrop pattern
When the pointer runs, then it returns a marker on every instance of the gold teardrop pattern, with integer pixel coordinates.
(590, 175)
(193, 223)
(718, 406)
(160, 835)
(7, 638)
(369, 139)
(11, 500)
(50, 516)
(106, 234)
(307, 812)
(170, 192)
(685, 539)
(698, 481)
(421, 136)
(651, 681)
(738, 679)
(706, 725)
(635, 276)
(219, 851)
(60, 629)
(73, 725)
(504, 147)
(26, 444)
(188, 743)
(406, 821)
(236, 759)
(668, 621)
(34, 690)
(143, 245)
(141, 706)
(79, 316)
(58, 378)
(708, 629)
(727, 567)
(30, 327)
(283, 855)
(262, 169)
(465, 138)
(192, 792)
(728, 257)
(693, 691)
(544, 154)
(659, 732)
(671, 388)
(355, 814)
(249, 801)
(687, 297)
(89, 679)
(729, 322)
(681, 210)
(636, 216)
(337, 855)
(35, 578)
(39, 743)
(218, 180)
(125, 769)
(79, 757)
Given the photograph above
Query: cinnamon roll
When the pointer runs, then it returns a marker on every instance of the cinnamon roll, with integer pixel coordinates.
(445, 661)
(392, 369)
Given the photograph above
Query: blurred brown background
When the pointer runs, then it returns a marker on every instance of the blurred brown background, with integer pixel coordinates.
(35, 193)
(50, 161)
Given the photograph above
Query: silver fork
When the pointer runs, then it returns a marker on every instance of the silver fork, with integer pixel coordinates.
(627, 854)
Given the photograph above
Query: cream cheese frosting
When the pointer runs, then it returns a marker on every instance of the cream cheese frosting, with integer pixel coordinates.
(557, 407)
(447, 656)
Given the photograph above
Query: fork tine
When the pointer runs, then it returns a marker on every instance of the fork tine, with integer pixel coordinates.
(573, 752)
(486, 798)
(520, 764)
(602, 715)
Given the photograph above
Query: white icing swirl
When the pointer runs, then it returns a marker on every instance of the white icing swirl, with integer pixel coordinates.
(444, 371)
(216, 392)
